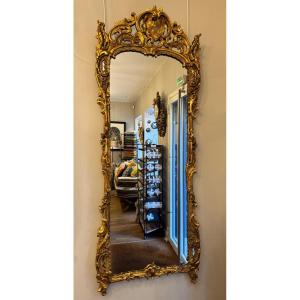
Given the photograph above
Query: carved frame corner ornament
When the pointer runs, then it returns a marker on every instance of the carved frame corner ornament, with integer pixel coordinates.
(153, 34)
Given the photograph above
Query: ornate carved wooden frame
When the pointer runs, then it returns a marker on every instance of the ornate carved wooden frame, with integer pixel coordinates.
(150, 33)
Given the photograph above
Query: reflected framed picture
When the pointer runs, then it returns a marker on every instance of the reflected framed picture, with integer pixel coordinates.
(116, 133)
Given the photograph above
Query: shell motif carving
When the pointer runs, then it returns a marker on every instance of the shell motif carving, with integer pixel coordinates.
(150, 33)
(154, 24)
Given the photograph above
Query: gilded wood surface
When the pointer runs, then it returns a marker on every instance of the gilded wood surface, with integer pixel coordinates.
(150, 33)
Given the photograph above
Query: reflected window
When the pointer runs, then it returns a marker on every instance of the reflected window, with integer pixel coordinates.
(178, 190)
(173, 176)
(183, 187)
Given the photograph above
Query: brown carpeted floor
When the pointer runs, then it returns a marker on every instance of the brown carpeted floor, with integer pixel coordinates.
(130, 251)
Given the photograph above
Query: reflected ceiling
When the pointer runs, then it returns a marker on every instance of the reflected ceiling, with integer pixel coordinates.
(131, 73)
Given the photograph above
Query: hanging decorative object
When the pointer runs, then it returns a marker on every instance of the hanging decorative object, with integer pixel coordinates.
(141, 134)
(160, 112)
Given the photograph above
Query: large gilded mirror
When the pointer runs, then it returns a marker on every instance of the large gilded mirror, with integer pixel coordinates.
(148, 75)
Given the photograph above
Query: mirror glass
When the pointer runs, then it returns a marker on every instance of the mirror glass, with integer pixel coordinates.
(148, 213)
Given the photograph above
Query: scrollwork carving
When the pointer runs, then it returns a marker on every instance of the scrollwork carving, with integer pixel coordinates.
(150, 33)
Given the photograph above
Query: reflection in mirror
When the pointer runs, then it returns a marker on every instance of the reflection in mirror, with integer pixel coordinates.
(148, 213)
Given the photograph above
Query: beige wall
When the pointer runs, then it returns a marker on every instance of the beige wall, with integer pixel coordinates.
(122, 111)
(163, 82)
(207, 17)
